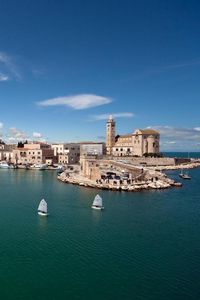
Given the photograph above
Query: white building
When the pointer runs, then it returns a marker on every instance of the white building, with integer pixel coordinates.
(67, 153)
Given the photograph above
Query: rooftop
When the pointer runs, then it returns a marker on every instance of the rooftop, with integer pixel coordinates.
(148, 131)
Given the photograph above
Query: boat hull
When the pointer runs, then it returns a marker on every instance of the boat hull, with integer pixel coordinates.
(97, 207)
(184, 176)
(42, 213)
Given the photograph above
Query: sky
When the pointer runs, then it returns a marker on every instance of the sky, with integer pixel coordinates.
(65, 66)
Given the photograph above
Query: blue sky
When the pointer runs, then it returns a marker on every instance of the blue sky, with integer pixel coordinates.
(66, 65)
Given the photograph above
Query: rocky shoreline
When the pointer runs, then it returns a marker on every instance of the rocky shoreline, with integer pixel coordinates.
(192, 165)
(154, 179)
(162, 182)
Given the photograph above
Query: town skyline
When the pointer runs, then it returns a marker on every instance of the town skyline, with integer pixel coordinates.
(65, 68)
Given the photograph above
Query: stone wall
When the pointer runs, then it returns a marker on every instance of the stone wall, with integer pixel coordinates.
(149, 161)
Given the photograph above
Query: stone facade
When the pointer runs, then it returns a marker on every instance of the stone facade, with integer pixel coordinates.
(142, 141)
(67, 153)
(92, 148)
(33, 153)
(90, 167)
(6, 151)
(110, 135)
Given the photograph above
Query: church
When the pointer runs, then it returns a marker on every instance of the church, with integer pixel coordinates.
(140, 142)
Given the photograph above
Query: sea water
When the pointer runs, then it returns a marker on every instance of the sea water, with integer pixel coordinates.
(144, 245)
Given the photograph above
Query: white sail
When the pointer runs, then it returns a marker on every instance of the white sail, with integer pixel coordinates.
(97, 201)
(42, 206)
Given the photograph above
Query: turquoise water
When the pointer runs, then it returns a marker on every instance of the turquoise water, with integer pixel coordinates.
(142, 246)
(182, 154)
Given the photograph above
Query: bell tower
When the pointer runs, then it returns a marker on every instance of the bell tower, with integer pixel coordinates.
(110, 135)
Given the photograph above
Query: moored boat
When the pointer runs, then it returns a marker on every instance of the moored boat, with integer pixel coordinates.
(39, 167)
(4, 165)
(184, 175)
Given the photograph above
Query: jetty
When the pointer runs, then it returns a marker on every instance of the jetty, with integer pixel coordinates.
(116, 176)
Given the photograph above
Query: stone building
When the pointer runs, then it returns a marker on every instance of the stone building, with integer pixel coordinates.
(67, 153)
(90, 166)
(140, 142)
(92, 148)
(33, 153)
(6, 151)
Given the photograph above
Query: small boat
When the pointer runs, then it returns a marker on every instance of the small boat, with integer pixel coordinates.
(97, 203)
(4, 165)
(39, 167)
(42, 208)
(184, 175)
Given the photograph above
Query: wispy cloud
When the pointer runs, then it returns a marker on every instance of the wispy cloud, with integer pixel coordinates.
(15, 134)
(185, 64)
(197, 128)
(37, 135)
(156, 70)
(8, 63)
(114, 115)
(4, 77)
(39, 72)
(179, 133)
(174, 66)
(82, 101)
(178, 138)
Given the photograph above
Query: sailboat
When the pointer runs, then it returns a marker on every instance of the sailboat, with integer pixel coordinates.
(42, 208)
(97, 203)
(184, 175)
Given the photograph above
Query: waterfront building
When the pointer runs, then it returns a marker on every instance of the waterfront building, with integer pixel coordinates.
(67, 153)
(139, 143)
(6, 151)
(2, 145)
(92, 148)
(33, 153)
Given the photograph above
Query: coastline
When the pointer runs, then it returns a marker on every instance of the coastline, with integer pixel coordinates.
(155, 179)
(159, 181)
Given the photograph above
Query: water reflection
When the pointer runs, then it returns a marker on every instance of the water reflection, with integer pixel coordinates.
(42, 224)
(97, 215)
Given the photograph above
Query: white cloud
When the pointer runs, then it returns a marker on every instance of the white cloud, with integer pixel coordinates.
(197, 128)
(4, 77)
(1, 125)
(178, 138)
(37, 135)
(115, 116)
(15, 134)
(82, 101)
(9, 65)
(192, 134)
